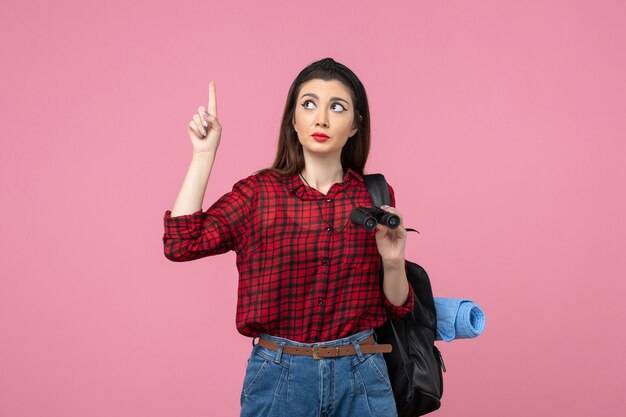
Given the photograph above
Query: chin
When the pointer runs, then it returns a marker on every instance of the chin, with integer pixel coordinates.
(322, 151)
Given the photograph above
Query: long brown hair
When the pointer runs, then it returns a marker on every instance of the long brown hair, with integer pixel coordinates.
(289, 155)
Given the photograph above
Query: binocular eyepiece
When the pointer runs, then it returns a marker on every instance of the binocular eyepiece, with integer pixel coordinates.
(369, 217)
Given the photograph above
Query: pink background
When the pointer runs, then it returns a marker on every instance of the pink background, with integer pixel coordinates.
(500, 125)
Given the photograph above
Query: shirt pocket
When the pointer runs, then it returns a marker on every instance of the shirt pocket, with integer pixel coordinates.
(360, 251)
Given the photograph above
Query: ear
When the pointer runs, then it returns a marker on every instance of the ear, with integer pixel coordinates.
(355, 129)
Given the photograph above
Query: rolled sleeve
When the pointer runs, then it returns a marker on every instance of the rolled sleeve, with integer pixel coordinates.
(397, 312)
(182, 227)
(217, 230)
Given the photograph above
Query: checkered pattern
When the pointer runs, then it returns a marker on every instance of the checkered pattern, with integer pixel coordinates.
(306, 273)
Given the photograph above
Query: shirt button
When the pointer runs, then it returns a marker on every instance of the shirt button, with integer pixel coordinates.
(316, 338)
(324, 261)
(329, 229)
(321, 301)
(329, 200)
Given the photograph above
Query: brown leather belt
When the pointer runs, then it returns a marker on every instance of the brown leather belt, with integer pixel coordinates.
(318, 352)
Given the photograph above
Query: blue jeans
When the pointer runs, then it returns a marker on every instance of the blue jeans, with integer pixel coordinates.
(280, 384)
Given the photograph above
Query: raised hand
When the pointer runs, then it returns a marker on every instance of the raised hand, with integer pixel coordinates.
(204, 129)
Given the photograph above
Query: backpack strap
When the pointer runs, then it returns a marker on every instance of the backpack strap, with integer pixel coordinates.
(379, 192)
(377, 187)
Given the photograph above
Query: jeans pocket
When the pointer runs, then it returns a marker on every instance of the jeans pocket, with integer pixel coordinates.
(263, 378)
(371, 375)
(379, 366)
(254, 372)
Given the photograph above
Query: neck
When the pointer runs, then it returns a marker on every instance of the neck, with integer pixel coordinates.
(322, 174)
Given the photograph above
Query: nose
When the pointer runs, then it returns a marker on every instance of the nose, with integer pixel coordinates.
(322, 119)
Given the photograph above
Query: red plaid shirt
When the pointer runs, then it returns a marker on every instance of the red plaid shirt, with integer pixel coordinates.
(306, 272)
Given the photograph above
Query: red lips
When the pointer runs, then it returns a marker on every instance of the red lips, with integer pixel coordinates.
(320, 137)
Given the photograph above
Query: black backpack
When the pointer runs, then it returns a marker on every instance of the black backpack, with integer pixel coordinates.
(415, 364)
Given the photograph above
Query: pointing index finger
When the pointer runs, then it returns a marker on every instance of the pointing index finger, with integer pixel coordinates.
(212, 100)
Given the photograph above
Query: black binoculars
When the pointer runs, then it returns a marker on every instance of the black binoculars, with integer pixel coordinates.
(369, 217)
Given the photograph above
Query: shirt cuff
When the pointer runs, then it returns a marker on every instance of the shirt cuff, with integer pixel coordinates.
(182, 227)
(397, 312)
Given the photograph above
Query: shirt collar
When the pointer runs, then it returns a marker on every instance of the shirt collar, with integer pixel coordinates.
(294, 182)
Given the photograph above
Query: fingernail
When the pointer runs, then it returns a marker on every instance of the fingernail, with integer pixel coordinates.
(205, 124)
(205, 113)
(203, 132)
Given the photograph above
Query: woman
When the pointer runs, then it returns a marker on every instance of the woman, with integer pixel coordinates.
(309, 284)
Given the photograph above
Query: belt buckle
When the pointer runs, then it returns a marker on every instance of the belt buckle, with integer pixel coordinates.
(315, 352)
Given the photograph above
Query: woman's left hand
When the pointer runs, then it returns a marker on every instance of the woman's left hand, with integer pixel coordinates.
(391, 242)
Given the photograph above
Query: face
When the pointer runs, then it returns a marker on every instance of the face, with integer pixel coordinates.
(324, 117)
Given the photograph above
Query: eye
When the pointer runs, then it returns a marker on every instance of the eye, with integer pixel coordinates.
(341, 108)
(308, 102)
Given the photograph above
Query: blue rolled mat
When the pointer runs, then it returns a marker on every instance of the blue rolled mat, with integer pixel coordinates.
(458, 318)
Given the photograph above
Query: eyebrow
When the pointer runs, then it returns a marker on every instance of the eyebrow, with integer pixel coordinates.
(316, 97)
